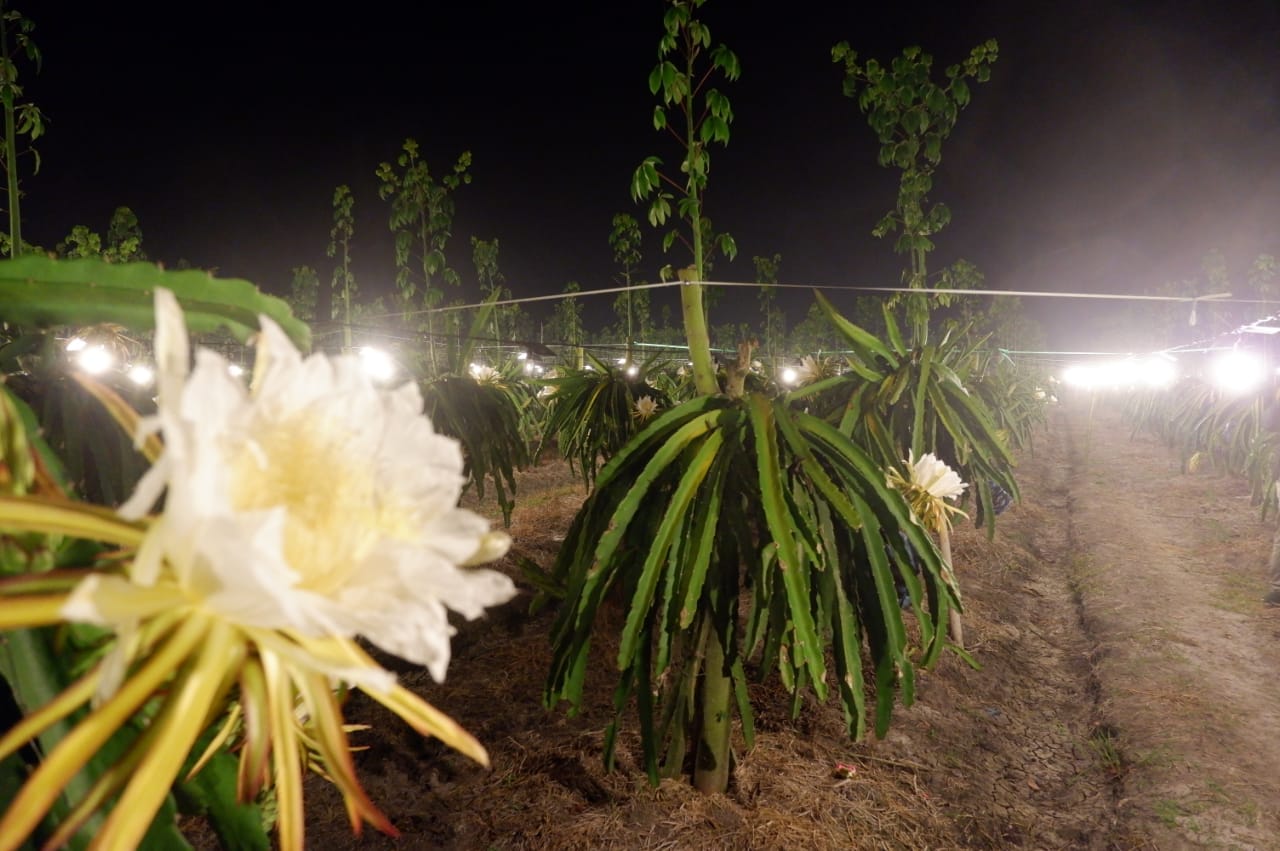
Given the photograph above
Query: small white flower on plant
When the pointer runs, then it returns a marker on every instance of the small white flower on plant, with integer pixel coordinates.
(485, 374)
(928, 484)
(644, 408)
(813, 369)
(315, 508)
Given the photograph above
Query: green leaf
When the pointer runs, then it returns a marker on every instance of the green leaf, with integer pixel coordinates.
(782, 530)
(705, 527)
(922, 386)
(43, 292)
(673, 521)
(212, 794)
(860, 339)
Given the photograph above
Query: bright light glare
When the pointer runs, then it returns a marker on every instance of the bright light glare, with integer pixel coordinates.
(1153, 371)
(633, 371)
(236, 370)
(789, 376)
(95, 360)
(141, 374)
(377, 364)
(75, 344)
(1238, 372)
(1159, 371)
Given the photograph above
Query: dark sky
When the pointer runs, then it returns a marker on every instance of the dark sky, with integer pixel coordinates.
(1115, 145)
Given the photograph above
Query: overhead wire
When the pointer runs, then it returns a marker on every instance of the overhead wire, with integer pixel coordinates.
(1217, 297)
(1196, 346)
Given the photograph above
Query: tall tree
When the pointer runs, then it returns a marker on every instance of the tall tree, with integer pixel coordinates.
(20, 118)
(631, 308)
(774, 319)
(421, 219)
(696, 115)
(484, 256)
(304, 289)
(567, 320)
(912, 116)
(124, 237)
(340, 236)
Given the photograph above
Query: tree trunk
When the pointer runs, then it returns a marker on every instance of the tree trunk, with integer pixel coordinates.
(955, 627)
(711, 765)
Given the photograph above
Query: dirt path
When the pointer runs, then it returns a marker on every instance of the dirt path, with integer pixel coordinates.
(1168, 571)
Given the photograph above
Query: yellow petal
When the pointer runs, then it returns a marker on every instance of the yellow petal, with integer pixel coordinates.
(69, 700)
(429, 721)
(335, 750)
(255, 702)
(58, 517)
(223, 735)
(105, 599)
(171, 735)
(31, 610)
(419, 714)
(284, 753)
(78, 746)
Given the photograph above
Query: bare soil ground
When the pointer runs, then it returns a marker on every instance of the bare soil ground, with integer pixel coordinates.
(1128, 696)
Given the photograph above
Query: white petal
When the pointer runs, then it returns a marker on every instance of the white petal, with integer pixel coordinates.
(172, 348)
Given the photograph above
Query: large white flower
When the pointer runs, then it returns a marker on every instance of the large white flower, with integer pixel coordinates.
(318, 503)
(927, 486)
(934, 476)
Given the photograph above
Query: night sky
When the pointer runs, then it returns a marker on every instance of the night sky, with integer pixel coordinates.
(1116, 144)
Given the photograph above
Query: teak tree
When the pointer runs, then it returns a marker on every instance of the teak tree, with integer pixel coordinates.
(697, 115)
(484, 256)
(20, 119)
(912, 116)
(774, 320)
(340, 236)
(421, 219)
(631, 307)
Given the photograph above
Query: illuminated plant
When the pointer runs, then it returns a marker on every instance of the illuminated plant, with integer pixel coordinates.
(483, 407)
(896, 401)
(590, 412)
(743, 534)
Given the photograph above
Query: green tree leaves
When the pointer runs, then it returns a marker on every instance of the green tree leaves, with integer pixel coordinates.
(20, 119)
(912, 115)
(422, 210)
